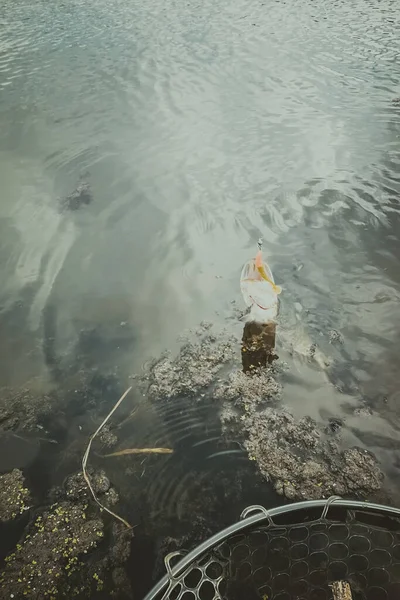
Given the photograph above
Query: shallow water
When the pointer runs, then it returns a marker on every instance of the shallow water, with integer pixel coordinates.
(200, 127)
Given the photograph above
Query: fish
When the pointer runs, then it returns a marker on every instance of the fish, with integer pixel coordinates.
(259, 290)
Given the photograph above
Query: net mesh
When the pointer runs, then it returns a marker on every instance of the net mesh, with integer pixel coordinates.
(299, 561)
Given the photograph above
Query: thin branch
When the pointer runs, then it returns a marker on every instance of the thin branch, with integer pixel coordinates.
(86, 456)
(139, 451)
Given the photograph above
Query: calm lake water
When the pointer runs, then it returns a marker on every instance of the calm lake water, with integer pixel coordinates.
(201, 126)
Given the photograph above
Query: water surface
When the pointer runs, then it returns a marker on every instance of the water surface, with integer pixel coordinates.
(201, 126)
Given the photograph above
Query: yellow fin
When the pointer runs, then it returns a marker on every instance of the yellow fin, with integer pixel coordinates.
(277, 289)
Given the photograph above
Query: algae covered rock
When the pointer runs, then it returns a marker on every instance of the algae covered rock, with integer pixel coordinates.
(50, 554)
(301, 464)
(14, 496)
(59, 555)
(24, 409)
(195, 368)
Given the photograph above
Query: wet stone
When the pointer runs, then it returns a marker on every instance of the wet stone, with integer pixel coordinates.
(14, 496)
(107, 437)
(24, 409)
(50, 559)
(76, 487)
(100, 482)
(334, 425)
(195, 368)
(81, 196)
(335, 337)
(248, 390)
(44, 560)
(293, 454)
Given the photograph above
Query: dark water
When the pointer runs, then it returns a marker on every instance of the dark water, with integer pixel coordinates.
(201, 126)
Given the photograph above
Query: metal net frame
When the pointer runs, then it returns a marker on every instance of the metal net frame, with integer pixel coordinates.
(293, 552)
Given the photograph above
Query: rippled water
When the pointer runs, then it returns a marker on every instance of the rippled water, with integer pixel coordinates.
(200, 127)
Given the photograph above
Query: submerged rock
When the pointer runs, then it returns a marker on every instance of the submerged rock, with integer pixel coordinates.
(300, 458)
(116, 582)
(14, 496)
(122, 585)
(107, 437)
(43, 562)
(121, 546)
(335, 337)
(81, 196)
(76, 487)
(24, 408)
(195, 368)
(50, 560)
(301, 464)
(248, 390)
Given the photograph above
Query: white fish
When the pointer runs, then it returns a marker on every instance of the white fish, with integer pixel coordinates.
(259, 290)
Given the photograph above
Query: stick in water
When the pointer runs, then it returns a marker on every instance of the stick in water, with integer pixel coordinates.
(86, 456)
(139, 451)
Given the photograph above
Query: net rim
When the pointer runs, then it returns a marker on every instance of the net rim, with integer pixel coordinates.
(260, 515)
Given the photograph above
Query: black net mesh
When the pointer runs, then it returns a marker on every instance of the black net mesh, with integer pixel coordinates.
(298, 560)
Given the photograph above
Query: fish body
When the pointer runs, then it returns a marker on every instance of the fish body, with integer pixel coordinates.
(259, 290)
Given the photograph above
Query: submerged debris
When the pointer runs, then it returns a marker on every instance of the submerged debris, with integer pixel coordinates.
(14, 496)
(85, 472)
(128, 451)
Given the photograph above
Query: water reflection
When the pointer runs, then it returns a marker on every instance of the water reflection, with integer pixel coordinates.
(258, 345)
